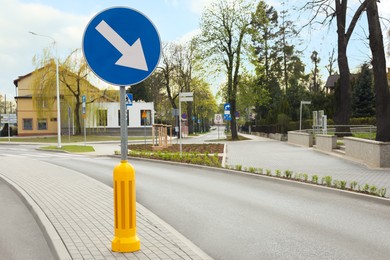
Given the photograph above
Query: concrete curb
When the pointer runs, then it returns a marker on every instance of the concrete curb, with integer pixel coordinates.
(52, 238)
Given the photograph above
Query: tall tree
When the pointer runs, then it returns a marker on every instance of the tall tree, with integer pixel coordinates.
(315, 59)
(224, 26)
(380, 74)
(168, 70)
(362, 94)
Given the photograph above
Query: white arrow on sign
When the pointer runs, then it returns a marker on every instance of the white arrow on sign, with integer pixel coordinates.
(132, 55)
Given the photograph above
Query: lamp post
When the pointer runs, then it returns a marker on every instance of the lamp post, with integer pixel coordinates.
(58, 90)
(300, 113)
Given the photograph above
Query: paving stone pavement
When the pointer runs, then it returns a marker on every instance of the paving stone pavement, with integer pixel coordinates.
(270, 154)
(80, 210)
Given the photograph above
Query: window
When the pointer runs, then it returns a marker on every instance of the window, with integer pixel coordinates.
(27, 124)
(119, 117)
(102, 117)
(146, 118)
(42, 124)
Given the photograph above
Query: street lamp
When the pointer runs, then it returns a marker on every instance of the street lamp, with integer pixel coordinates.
(300, 113)
(58, 89)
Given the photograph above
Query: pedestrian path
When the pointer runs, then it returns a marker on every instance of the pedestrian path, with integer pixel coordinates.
(274, 155)
(77, 214)
(40, 155)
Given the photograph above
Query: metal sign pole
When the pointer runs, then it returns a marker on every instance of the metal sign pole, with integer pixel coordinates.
(123, 123)
(180, 135)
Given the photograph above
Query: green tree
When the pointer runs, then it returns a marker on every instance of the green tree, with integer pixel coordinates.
(73, 76)
(251, 95)
(362, 94)
(224, 26)
(316, 60)
(277, 62)
(204, 105)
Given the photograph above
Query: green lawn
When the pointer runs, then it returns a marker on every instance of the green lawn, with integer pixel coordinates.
(66, 139)
(71, 148)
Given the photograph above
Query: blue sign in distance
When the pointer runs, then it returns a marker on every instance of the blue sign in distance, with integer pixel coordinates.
(227, 117)
(184, 116)
(129, 99)
(121, 46)
(226, 107)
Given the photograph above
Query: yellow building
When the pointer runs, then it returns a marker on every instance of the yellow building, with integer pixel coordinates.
(39, 116)
(29, 123)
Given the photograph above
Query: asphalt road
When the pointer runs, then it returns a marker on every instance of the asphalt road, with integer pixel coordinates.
(20, 236)
(237, 216)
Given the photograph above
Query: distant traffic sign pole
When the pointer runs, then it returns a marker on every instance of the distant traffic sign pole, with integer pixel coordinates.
(122, 47)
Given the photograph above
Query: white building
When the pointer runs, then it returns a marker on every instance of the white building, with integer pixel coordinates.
(105, 118)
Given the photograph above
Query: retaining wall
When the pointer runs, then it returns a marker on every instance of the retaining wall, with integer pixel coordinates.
(374, 153)
(326, 142)
(300, 138)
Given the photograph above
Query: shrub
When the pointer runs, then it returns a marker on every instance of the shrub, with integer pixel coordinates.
(382, 192)
(373, 190)
(288, 174)
(366, 187)
(238, 167)
(252, 169)
(343, 184)
(353, 185)
(260, 170)
(268, 172)
(314, 179)
(278, 173)
(327, 180)
(305, 176)
(336, 184)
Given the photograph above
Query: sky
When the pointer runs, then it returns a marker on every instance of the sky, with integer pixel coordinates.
(65, 21)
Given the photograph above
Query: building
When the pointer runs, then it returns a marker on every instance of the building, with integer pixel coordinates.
(28, 120)
(105, 118)
(101, 117)
(332, 81)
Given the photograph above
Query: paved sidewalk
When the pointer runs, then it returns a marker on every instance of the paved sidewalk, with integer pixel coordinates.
(76, 213)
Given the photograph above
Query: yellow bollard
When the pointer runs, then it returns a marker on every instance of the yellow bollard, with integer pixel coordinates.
(125, 239)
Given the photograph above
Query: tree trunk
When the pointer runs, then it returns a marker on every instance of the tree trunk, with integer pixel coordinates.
(380, 76)
(77, 118)
(343, 109)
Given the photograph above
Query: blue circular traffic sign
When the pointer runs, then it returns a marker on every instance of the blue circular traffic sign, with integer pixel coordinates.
(121, 46)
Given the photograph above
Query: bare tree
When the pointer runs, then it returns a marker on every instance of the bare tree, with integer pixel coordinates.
(338, 9)
(380, 74)
(331, 62)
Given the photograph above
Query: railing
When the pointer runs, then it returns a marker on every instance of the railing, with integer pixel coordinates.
(368, 131)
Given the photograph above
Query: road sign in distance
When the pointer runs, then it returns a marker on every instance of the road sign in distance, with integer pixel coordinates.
(129, 99)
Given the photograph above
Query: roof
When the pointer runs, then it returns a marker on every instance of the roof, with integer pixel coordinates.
(331, 81)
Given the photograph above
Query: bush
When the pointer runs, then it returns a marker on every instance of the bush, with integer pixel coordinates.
(314, 179)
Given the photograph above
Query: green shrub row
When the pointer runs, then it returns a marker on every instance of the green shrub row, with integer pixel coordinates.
(325, 181)
(193, 158)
